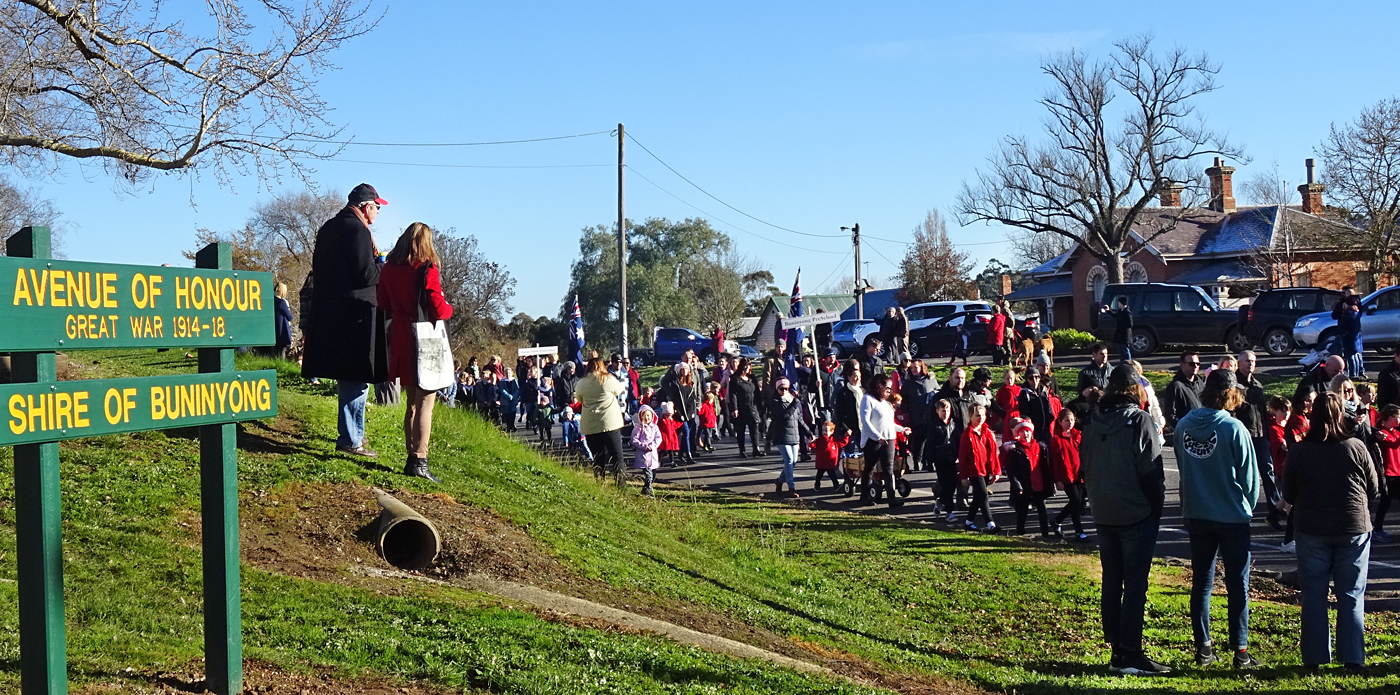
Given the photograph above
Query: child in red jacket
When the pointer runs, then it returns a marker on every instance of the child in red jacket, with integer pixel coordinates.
(670, 434)
(1388, 441)
(1064, 469)
(709, 420)
(901, 418)
(827, 447)
(978, 464)
(1031, 483)
(1004, 407)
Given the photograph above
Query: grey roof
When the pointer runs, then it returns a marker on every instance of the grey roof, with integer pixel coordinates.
(876, 301)
(1223, 272)
(747, 326)
(1062, 286)
(830, 303)
(1054, 266)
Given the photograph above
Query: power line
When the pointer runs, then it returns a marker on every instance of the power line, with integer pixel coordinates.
(472, 166)
(703, 212)
(839, 264)
(877, 251)
(721, 202)
(450, 144)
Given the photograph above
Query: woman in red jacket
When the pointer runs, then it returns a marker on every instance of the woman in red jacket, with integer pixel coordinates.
(1064, 466)
(408, 284)
(977, 462)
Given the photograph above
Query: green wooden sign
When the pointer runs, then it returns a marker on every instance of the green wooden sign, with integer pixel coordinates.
(52, 305)
(38, 412)
(74, 305)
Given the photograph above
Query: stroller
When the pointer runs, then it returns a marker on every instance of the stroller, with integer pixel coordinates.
(854, 467)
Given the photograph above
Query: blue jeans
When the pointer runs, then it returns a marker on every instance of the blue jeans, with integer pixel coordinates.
(1126, 554)
(683, 439)
(1229, 542)
(1125, 352)
(789, 461)
(1342, 561)
(1356, 365)
(350, 419)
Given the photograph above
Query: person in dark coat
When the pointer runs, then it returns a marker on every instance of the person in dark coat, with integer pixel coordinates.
(787, 432)
(1388, 382)
(743, 406)
(916, 389)
(1096, 374)
(1254, 415)
(848, 402)
(345, 340)
(1123, 329)
(1319, 378)
(282, 315)
(1183, 394)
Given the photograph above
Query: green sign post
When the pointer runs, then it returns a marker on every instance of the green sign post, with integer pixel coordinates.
(52, 305)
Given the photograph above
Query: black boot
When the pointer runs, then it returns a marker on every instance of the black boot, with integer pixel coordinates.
(420, 469)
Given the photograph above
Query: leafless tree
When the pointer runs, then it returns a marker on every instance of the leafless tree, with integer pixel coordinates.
(720, 284)
(1280, 259)
(478, 290)
(139, 91)
(932, 268)
(1034, 248)
(1104, 162)
(21, 208)
(285, 227)
(1361, 168)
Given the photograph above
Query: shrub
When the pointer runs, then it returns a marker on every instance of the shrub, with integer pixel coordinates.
(1072, 339)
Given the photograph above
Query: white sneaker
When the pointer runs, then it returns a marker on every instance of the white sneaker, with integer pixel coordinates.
(1290, 547)
(991, 527)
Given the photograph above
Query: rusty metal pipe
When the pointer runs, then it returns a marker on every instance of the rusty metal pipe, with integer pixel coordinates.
(405, 538)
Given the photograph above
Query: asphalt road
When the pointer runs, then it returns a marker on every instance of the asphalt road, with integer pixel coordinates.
(723, 470)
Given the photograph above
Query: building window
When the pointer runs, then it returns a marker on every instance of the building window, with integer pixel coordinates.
(1365, 282)
(1134, 272)
(1098, 278)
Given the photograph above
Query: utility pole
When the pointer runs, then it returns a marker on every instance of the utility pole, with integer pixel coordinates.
(621, 248)
(860, 289)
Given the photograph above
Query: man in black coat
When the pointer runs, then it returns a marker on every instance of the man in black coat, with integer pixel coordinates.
(345, 339)
(1319, 378)
(1183, 394)
(1096, 374)
(1254, 415)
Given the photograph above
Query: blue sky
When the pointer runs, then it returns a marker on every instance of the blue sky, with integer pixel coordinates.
(808, 115)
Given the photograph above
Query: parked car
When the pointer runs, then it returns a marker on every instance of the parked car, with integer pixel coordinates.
(1380, 322)
(937, 338)
(843, 334)
(669, 344)
(749, 353)
(1170, 314)
(921, 315)
(1268, 321)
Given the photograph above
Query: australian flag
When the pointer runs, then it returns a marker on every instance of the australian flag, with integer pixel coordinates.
(576, 337)
(794, 335)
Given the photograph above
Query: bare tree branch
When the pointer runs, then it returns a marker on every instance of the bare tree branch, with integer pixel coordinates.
(122, 83)
(1361, 168)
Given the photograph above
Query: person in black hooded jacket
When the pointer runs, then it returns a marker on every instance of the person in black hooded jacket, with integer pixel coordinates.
(1121, 462)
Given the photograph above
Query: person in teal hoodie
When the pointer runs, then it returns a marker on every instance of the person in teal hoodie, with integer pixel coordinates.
(1219, 488)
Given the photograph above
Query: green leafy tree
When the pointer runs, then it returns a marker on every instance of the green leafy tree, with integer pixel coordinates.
(681, 274)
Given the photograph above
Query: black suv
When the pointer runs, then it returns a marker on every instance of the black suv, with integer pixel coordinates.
(1268, 320)
(1169, 314)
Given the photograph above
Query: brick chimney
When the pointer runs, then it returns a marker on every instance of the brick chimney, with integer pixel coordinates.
(1312, 191)
(1222, 191)
(1170, 196)
(1005, 284)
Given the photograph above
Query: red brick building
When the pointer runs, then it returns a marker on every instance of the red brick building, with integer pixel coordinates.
(1230, 251)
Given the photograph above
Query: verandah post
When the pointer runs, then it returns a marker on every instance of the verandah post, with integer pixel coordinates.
(218, 487)
(43, 648)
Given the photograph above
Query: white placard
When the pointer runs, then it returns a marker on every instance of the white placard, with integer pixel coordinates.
(808, 320)
(527, 352)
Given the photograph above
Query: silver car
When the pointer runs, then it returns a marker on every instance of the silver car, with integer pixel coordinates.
(1380, 322)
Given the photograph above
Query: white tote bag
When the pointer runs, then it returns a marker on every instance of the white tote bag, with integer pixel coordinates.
(434, 352)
